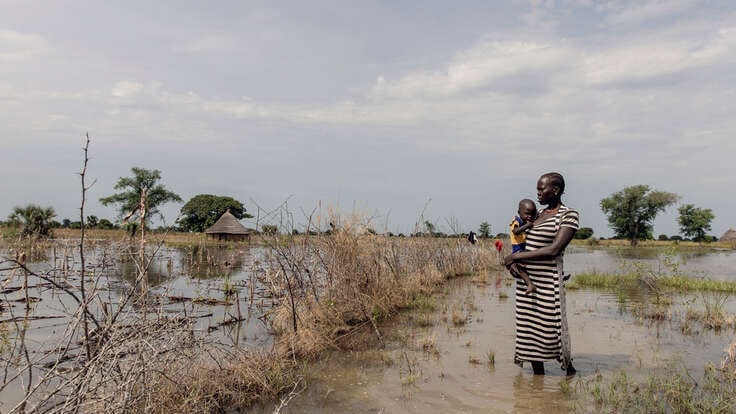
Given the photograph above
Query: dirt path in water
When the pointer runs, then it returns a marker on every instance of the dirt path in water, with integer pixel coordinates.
(438, 361)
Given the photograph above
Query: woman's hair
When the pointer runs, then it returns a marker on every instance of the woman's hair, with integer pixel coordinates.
(556, 179)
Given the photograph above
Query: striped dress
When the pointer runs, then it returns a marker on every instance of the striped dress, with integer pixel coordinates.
(541, 322)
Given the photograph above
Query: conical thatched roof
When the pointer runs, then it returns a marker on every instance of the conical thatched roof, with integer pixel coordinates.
(227, 224)
(730, 234)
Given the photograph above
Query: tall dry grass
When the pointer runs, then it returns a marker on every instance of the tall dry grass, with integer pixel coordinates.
(215, 380)
(334, 286)
(333, 290)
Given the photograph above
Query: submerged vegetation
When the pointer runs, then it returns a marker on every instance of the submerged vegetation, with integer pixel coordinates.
(661, 283)
(672, 389)
(330, 292)
(139, 352)
(338, 285)
(675, 283)
(664, 276)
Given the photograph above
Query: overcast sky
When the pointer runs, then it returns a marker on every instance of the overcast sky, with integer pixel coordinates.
(390, 108)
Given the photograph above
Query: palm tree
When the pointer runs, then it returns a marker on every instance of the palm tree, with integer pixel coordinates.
(130, 197)
(36, 220)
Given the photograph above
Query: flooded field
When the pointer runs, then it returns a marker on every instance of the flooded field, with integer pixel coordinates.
(718, 264)
(432, 363)
(212, 289)
(208, 283)
(453, 354)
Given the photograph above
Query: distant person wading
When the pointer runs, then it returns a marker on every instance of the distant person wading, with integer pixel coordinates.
(541, 320)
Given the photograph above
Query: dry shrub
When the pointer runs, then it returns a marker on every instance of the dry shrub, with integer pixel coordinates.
(333, 285)
(218, 381)
(159, 365)
(138, 356)
(729, 362)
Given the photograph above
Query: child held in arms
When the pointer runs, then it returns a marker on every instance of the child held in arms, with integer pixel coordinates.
(522, 223)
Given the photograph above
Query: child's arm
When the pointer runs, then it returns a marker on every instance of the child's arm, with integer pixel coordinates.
(526, 226)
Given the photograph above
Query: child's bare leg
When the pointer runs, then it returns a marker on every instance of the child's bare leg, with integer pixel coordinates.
(518, 271)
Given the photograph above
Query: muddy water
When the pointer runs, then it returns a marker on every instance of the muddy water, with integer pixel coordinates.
(429, 363)
(186, 283)
(719, 264)
(444, 368)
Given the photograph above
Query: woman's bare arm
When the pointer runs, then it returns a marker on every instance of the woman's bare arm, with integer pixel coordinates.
(564, 235)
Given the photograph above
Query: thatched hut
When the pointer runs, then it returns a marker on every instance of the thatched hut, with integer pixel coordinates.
(228, 228)
(729, 235)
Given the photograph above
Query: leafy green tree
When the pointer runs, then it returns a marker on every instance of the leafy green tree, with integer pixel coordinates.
(484, 231)
(631, 211)
(105, 224)
(203, 210)
(429, 227)
(129, 199)
(584, 233)
(36, 220)
(694, 222)
(269, 229)
(92, 221)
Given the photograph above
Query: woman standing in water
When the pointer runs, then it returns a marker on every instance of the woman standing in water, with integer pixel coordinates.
(541, 322)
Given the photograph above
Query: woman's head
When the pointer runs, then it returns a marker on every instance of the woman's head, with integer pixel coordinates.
(550, 188)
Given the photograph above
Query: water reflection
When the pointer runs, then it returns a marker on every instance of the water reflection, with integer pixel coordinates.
(539, 394)
(207, 262)
(159, 271)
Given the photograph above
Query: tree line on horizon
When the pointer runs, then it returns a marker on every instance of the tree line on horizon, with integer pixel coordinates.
(630, 212)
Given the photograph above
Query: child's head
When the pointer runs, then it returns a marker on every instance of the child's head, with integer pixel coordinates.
(527, 210)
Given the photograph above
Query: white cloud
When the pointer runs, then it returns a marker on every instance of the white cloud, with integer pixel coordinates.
(641, 10)
(209, 43)
(476, 69)
(17, 46)
(126, 89)
(723, 44)
(605, 105)
(472, 94)
(481, 89)
(649, 60)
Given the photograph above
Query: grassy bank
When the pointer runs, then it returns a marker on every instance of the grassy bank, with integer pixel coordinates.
(674, 283)
(656, 244)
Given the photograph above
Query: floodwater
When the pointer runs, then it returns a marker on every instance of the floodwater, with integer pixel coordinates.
(432, 365)
(718, 264)
(190, 280)
(444, 368)
(431, 361)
